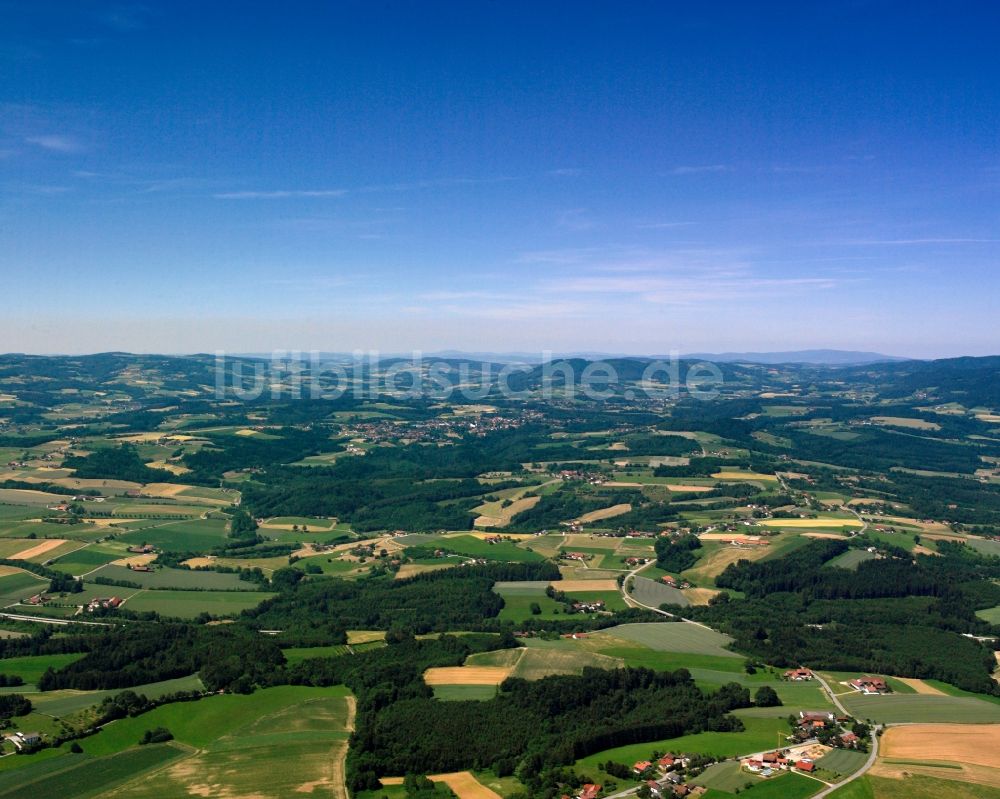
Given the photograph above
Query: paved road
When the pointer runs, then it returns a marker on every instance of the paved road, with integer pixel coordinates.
(872, 755)
(833, 697)
(46, 620)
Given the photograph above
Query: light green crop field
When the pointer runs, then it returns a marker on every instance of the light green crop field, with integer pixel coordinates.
(784, 786)
(295, 655)
(255, 757)
(82, 777)
(852, 559)
(64, 703)
(189, 604)
(478, 548)
(900, 708)
(992, 615)
(194, 535)
(20, 585)
(177, 578)
(240, 745)
(842, 761)
(464, 693)
(31, 667)
(534, 664)
(913, 787)
(676, 637)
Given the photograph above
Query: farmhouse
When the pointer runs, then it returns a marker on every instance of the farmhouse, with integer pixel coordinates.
(106, 603)
(870, 685)
(25, 741)
(588, 607)
(805, 765)
(641, 766)
(797, 675)
(589, 791)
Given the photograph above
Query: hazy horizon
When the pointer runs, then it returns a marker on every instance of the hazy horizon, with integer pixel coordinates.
(181, 178)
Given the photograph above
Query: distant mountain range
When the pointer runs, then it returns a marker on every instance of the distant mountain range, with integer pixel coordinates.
(812, 357)
(806, 357)
(819, 357)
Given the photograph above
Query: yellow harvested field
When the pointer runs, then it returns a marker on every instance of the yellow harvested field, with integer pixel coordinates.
(822, 535)
(496, 515)
(904, 421)
(39, 549)
(811, 523)
(164, 490)
(482, 535)
(977, 744)
(729, 537)
(140, 560)
(988, 417)
(585, 585)
(744, 476)
(713, 564)
(411, 569)
(364, 636)
(605, 513)
(194, 563)
(464, 785)
(921, 687)
(688, 489)
(700, 596)
(466, 675)
(175, 468)
(391, 780)
(141, 438)
(6, 571)
(616, 484)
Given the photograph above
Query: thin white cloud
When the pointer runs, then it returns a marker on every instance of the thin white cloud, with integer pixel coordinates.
(913, 242)
(689, 169)
(280, 194)
(57, 143)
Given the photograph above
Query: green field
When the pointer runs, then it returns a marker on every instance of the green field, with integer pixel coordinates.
(63, 703)
(189, 604)
(30, 668)
(197, 535)
(901, 708)
(86, 560)
(297, 654)
(177, 578)
(278, 745)
(464, 693)
(852, 559)
(21, 585)
(913, 787)
(992, 615)
(842, 761)
(81, 777)
(676, 637)
(478, 548)
(237, 744)
(784, 786)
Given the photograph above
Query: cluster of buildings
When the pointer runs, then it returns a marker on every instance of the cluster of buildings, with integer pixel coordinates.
(25, 741)
(870, 686)
(769, 763)
(588, 607)
(104, 603)
(664, 778)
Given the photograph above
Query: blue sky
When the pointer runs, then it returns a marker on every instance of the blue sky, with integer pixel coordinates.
(639, 177)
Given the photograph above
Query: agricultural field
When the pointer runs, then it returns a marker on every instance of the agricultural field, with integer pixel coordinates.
(232, 743)
(190, 604)
(918, 708)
